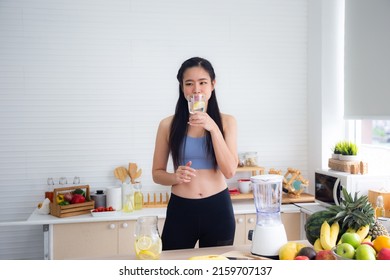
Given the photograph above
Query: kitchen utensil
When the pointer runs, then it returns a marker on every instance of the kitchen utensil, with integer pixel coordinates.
(244, 185)
(121, 173)
(269, 233)
(134, 172)
(100, 199)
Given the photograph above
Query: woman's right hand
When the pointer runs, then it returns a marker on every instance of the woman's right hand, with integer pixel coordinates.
(184, 173)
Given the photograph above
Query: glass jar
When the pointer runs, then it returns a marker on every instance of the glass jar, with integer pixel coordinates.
(138, 196)
(251, 159)
(148, 245)
(127, 198)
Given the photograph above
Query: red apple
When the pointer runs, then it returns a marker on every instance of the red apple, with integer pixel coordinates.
(384, 254)
(301, 258)
(325, 255)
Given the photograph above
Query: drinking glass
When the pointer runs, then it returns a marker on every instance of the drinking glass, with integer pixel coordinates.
(196, 103)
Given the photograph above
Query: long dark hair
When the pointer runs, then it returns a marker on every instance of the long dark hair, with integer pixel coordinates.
(179, 125)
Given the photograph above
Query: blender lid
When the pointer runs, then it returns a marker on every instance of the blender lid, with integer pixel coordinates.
(267, 178)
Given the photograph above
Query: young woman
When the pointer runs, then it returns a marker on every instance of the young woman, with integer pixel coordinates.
(203, 147)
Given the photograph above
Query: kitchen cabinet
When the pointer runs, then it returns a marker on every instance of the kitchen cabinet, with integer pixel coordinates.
(94, 239)
(246, 222)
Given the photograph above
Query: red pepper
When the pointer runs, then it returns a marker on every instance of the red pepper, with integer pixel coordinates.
(77, 198)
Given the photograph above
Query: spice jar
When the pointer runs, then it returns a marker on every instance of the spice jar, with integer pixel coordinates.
(251, 159)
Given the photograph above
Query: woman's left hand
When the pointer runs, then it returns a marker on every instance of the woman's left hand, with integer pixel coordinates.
(201, 119)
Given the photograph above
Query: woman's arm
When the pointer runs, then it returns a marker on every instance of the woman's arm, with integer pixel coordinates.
(226, 148)
(160, 159)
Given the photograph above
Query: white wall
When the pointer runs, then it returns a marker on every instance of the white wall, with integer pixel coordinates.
(83, 85)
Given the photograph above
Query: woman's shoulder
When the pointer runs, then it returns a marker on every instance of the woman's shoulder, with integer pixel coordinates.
(228, 118)
(166, 122)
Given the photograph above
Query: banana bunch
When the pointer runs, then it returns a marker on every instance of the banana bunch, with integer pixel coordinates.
(328, 236)
(363, 232)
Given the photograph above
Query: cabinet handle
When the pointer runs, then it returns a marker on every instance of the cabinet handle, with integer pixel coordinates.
(240, 220)
(125, 225)
(112, 226)
(251, 220)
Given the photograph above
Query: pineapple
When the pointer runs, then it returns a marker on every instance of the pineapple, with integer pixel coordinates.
(353, 212)
(377, 229)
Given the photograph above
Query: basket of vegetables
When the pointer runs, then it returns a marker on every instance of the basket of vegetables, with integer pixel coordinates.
(71, 201)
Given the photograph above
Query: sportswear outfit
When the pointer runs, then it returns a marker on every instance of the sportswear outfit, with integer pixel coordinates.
(209, 220)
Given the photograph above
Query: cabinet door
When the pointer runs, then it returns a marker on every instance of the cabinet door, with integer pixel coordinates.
(126, 237)
(292, 225)
(84, 240)
(240, 234)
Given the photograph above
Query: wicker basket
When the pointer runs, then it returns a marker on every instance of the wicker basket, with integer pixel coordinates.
(69, 210)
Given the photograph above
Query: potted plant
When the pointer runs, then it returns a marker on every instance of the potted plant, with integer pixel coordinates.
(348, 150)
(337, 150)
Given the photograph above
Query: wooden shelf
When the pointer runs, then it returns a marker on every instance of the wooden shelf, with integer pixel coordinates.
(304, 197)
(256, 170)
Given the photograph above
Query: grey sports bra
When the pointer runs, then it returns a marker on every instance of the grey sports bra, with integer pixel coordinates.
(195, 151)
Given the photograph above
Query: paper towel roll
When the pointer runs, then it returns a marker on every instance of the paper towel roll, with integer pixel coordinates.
(114, 198)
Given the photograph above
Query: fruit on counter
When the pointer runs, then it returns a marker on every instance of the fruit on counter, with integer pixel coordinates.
(317, 245)
(209, 257)
(325, 255)
(290, 250)
(345, 250)
(351, 238)
(354, 214)
(365, 252)
(382, 241)
(77, 198)
(313, 224)
(301, 258)
(328, 235)
(383, 254)
(308, 252)
(103, 209)
(377, 229)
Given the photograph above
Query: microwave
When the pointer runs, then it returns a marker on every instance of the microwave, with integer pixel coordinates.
(328, 184)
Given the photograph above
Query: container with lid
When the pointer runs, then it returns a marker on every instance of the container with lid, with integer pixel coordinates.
(100, 198)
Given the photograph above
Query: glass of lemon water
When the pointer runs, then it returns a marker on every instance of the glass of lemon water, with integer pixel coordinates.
(196, 103)
(148, 245)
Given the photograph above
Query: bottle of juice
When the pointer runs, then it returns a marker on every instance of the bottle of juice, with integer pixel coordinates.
(379, 209)
(138, 196)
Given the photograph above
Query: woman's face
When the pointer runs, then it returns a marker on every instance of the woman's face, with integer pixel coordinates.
(197, 80)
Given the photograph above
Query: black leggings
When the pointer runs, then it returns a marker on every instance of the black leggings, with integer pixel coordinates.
(209, 220)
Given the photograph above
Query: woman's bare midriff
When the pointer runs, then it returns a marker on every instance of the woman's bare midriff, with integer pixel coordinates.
(206, 183)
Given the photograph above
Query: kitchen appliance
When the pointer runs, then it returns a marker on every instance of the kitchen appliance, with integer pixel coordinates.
(328, 184)
(269, 233)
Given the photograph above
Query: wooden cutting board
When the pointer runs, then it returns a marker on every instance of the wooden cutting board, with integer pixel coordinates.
(304, 197)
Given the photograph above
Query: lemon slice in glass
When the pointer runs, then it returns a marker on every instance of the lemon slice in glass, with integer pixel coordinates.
(147, 255)
(198, 106)
(144, 243)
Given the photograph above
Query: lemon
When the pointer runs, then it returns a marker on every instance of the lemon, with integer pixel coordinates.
(143, 243)
(147, 255)
(198, 105)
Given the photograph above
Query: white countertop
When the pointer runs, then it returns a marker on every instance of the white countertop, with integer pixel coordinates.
(239, 207)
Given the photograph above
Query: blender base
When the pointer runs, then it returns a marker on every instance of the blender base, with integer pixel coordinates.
(267, 240)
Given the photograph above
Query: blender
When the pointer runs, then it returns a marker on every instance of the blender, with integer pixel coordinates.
(269, 233)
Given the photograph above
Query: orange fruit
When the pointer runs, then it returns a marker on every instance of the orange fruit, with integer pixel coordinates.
(382, 241)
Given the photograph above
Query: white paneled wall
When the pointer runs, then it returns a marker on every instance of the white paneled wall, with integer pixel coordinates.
(84, 84)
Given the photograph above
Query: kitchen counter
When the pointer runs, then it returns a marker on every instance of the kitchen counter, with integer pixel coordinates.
(239, 207)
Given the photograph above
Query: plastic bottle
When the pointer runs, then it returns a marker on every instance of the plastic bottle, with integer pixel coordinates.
(379, 209)
(138, 196)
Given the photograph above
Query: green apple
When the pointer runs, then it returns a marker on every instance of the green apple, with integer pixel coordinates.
(365, 252)
(345, 250)
(351, 238)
